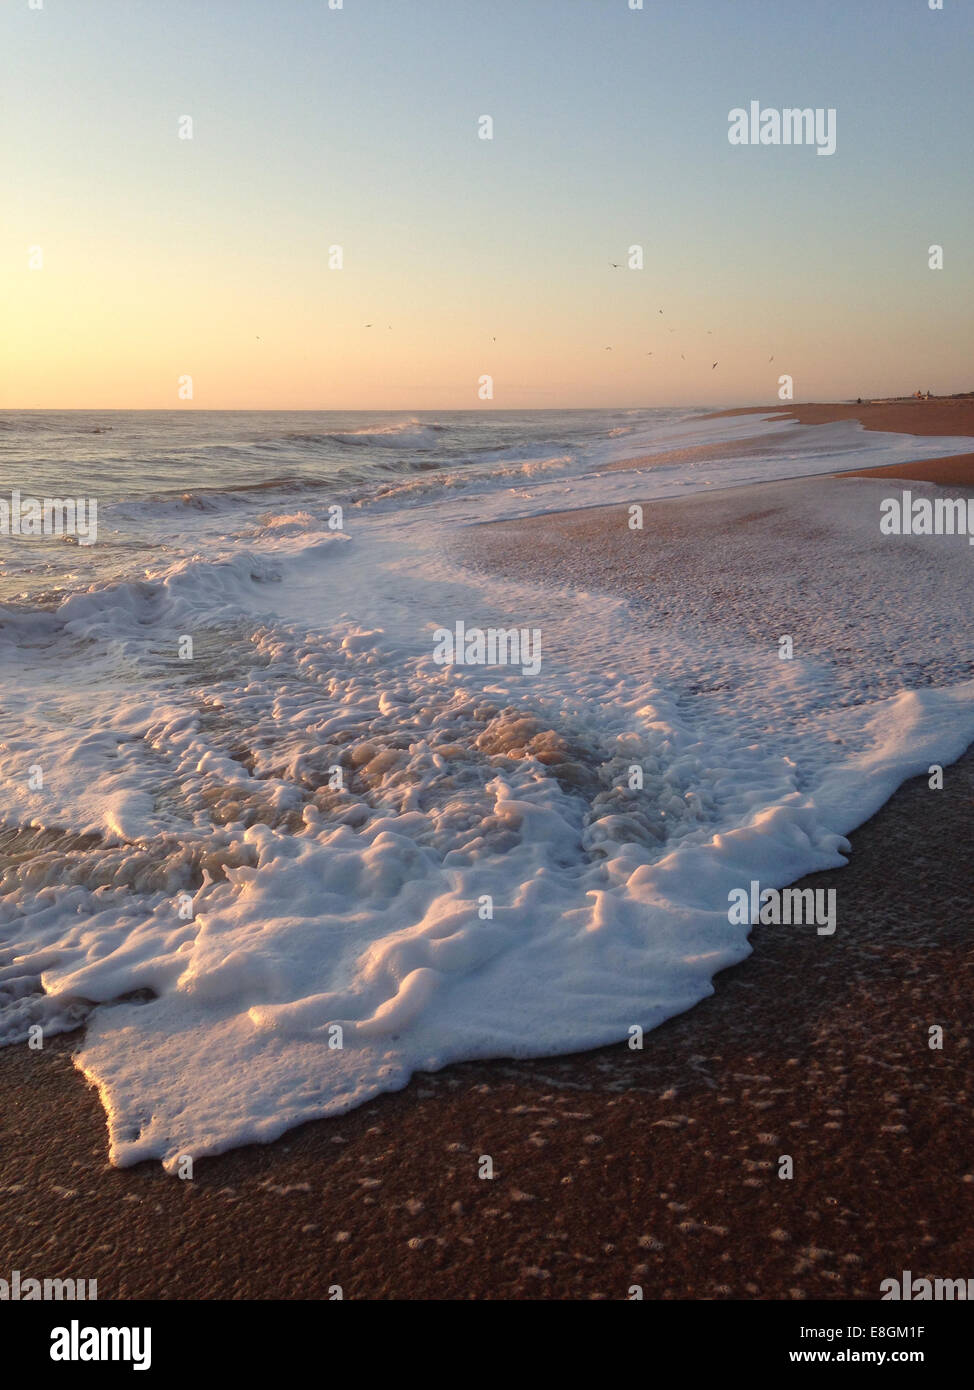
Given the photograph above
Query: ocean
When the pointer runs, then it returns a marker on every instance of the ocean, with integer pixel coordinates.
(296, 802)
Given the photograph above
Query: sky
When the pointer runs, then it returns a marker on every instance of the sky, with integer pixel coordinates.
(358, 127)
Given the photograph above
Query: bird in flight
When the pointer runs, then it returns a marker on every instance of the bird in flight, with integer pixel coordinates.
(615, 266)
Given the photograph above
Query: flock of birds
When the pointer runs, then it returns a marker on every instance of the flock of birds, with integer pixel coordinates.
(616, 265)
(672, 330)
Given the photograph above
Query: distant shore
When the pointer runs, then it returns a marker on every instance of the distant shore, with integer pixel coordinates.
(941, 415)
(894, 415)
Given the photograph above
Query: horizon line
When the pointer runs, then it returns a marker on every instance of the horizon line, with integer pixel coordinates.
(429, 410)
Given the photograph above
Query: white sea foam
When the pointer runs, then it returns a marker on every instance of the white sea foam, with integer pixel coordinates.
(359, 908)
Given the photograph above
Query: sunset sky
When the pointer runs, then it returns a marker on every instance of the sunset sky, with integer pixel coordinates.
(313, 127)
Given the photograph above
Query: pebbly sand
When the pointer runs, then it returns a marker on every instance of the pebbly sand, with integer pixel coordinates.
(615, 1168)
(612, 1168)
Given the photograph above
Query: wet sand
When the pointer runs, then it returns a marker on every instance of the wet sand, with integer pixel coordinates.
(948, 415)
(613, 1168)
(956, 472)
(656, 1168)
(786, 442)
(943, 415)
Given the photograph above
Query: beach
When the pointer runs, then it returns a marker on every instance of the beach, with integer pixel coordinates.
(655, 1168)
(619, 1170)
(896, 415)
(943, 415)
(614, 1168)
(486, 674)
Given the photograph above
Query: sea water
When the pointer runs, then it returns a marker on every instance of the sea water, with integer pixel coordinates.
(273, 854)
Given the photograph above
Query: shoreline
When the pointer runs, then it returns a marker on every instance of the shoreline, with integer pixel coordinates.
(942, 415)
(613, 1167)
(896, 415)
